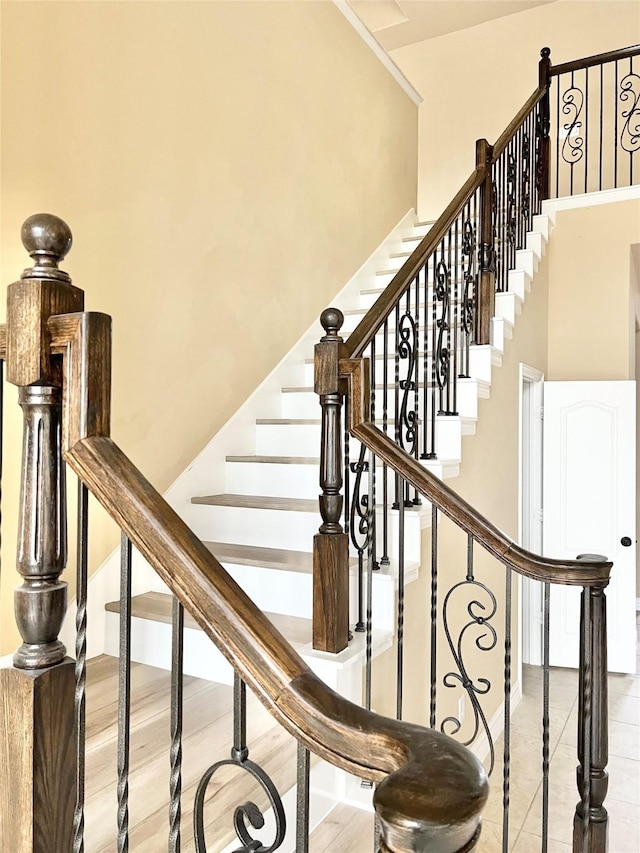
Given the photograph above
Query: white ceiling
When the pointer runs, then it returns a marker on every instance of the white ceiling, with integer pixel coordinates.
(397, 23)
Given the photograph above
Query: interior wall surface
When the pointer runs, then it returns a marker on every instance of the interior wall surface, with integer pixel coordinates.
(225, 168)
(592, 293)
(489, 481)
(474, 81)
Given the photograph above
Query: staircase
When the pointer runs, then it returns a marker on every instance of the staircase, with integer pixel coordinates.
(261, 526)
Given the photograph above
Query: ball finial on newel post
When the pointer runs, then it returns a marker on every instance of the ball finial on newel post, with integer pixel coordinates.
(47, 239)
(331, 320)
(545, 53)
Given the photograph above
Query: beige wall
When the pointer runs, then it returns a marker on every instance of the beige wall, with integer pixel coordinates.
(225, 168)
(489, 478)
(474, 81)
(591, 318)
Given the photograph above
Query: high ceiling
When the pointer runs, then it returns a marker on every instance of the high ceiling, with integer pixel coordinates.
(397, 23)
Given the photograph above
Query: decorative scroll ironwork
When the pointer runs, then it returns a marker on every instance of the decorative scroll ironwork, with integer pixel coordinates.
(525, 179)
(248, 811)
(573, 146)
(360, 523)
(512, 176)
(442, 294)
(480, 618)
(630, 92)
(542, 127)
(468, 294)
(407, 351)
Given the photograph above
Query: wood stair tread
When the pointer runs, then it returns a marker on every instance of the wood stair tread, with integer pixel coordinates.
(254, 555)
(157, 607)
(259, 502)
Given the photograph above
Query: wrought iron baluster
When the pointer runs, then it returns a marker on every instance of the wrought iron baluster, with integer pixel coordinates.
(545, 715)
(175, 755)
(416, 382)
(480, 617)
(442, 355)
(302, 800)
(359, 528)
(586, 128)
(601, 125)
(558, 139)
(81, 664)
(630, 134)
(384, 559)
(248, 811)
(456, 291)
(434, 617)
(124, 694)
(615, 132)
(425, 365)
(506, 766)
(400, 622)
(370, 567)
(397, 427)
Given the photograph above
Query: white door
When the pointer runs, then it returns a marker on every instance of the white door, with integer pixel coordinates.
(589, 499)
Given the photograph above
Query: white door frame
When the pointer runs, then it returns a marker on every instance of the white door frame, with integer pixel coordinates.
(530, 414)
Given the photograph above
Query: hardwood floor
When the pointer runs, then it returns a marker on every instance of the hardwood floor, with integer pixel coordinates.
(207, 738)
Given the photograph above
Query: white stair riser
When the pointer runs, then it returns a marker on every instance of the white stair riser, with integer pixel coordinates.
(519, 283)
(501, 331)
(542, 224)
(508, 306)
(526, 260)
(151, 645)
(295, 530)
(536, 243)
(302, 440)
(265, 528)
(277, 480)
(305, 404)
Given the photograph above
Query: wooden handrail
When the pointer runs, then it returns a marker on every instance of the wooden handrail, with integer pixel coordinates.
(596, 59)
(431, 789)
(569, 572)
(367, 328)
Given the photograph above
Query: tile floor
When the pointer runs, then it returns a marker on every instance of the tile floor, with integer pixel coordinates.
(623, 799)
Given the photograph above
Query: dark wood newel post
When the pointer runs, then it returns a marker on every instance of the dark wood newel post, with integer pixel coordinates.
(330, 544)
(591, 821)
(544, 79)
(38, 760)
(486, 295)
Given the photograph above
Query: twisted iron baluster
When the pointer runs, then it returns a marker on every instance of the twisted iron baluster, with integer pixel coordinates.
(400, 625)
(545, 716)
(175, 755)
(81, 665)
(384, 560)
(124, 694)
(434, 615)
(506, 768)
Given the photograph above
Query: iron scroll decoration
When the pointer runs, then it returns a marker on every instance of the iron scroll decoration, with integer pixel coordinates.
(572, 102)
(480, 618)
(407, 348)
(247, 811)
(442, 287)
(468, 254)
(630, 93)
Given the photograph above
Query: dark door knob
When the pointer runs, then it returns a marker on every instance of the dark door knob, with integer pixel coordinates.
(625, 541)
